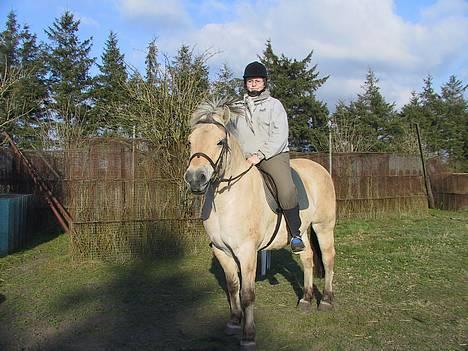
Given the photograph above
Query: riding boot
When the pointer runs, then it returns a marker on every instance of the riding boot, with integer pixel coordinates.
(293, 223)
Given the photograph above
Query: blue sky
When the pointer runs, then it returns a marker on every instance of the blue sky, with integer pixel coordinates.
(401, 41)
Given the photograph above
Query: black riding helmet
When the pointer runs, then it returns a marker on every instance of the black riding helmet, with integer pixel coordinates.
(255, 70)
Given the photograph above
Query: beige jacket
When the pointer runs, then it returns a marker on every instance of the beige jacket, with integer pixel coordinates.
(264, 128)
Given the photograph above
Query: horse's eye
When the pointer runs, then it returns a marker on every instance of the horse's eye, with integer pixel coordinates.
(222, 142)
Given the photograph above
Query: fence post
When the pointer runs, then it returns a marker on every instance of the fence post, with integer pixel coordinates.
(430, 197)
(330, 124)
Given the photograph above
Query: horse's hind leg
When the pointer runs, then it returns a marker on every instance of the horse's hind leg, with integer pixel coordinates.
(233, 287)
(326, 241)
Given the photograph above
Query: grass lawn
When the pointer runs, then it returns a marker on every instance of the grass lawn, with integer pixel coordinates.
(400, 284)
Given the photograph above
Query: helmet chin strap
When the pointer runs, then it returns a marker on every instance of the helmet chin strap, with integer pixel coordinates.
(255, 93)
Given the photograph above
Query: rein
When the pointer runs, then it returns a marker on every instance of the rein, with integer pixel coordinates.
(215, 177)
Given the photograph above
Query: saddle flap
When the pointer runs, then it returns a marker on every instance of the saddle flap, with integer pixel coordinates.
(272, 196)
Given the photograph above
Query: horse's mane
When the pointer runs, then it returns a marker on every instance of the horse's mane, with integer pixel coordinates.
(214, 110)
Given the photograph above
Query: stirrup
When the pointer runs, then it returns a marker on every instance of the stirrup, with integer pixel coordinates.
(297, 245)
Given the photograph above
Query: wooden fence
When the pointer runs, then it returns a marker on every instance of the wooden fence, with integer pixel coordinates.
(450, 191)
(122, 204)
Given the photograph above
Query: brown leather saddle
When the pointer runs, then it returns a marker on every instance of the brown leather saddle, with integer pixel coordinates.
(272, 199)
(272, 194)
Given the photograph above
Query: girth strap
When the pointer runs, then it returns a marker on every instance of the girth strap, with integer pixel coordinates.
(279, 215)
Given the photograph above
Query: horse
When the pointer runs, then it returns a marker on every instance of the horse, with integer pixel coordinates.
(239, 220)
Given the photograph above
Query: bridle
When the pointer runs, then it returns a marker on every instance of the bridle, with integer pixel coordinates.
(216, 176)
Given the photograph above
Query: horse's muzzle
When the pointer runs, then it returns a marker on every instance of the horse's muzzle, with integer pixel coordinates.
(197, 180)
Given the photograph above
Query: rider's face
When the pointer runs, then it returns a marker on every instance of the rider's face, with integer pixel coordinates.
(255, 84)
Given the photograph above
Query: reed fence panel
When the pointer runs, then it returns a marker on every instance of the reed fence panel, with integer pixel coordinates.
(124, 205)
(374, 184)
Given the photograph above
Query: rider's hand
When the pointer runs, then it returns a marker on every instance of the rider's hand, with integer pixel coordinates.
(254, 159)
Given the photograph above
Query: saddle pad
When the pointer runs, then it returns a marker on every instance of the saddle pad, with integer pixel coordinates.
(301, 192)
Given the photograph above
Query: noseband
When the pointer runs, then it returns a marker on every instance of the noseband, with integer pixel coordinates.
(215, 177)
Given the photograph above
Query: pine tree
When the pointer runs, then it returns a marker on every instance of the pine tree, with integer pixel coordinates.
(151, 61)
(456, 121)
(9, 41)
(69, 78)
(374, 117)
(432, 118)
(295, 84)
(347, 131)
(21, 63)
(11, 75)
(188, 68)
(226, 85)
(109, 92)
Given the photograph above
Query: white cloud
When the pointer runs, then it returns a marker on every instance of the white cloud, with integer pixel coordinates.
(445, 8)
(88, 21)
(158, 13)
(347, 36)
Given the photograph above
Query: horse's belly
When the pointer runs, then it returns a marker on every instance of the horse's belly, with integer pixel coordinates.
(230, 237)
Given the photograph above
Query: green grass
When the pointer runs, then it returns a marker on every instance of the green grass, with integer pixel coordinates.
(400, 284)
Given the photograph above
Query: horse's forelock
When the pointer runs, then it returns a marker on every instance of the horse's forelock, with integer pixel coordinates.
(213, 110)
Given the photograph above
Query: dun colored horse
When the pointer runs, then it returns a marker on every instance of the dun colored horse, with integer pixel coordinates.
(239, 221)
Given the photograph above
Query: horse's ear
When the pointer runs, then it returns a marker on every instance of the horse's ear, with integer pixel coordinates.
(226, 114)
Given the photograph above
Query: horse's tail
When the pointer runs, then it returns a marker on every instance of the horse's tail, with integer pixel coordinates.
(319, 269)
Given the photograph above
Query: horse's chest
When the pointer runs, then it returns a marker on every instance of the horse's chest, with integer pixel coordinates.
(223, 234)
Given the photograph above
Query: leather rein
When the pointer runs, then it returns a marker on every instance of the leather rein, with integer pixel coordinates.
(217, 166)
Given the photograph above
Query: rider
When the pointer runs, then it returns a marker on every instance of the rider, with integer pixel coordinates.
(264, 139)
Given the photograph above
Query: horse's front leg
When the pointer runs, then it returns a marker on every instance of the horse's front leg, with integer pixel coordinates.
(305, 304)
(247, 259)
(231, 270)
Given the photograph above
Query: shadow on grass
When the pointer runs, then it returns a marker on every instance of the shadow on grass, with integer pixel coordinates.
(149, 304)
(140, 308)
(283, 264)
(44, 234)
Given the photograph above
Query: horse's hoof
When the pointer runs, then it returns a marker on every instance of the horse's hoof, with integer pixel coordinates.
(232, 329)
(304, 306)
(248, 346)
(325, 306)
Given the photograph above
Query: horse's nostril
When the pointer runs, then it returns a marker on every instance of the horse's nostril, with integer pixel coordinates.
(202, 178)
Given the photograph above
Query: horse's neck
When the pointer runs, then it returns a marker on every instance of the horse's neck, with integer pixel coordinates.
(236, 162)
(236, 166)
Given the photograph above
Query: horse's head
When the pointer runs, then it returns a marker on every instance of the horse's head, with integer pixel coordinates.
(208, 143)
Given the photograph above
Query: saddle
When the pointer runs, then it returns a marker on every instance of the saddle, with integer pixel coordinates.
(272, 193)
(272, 199)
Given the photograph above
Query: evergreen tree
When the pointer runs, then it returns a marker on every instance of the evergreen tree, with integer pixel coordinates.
(69, 78)
(443, 120)
(151, 61)
(11, 75)
(455, 110)
(431, 118)
(110, 93)
(346, 133)
(21, 63)
(9, 41)
(226, 85)
(295, 84)
(188, 68)
(374, 117)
